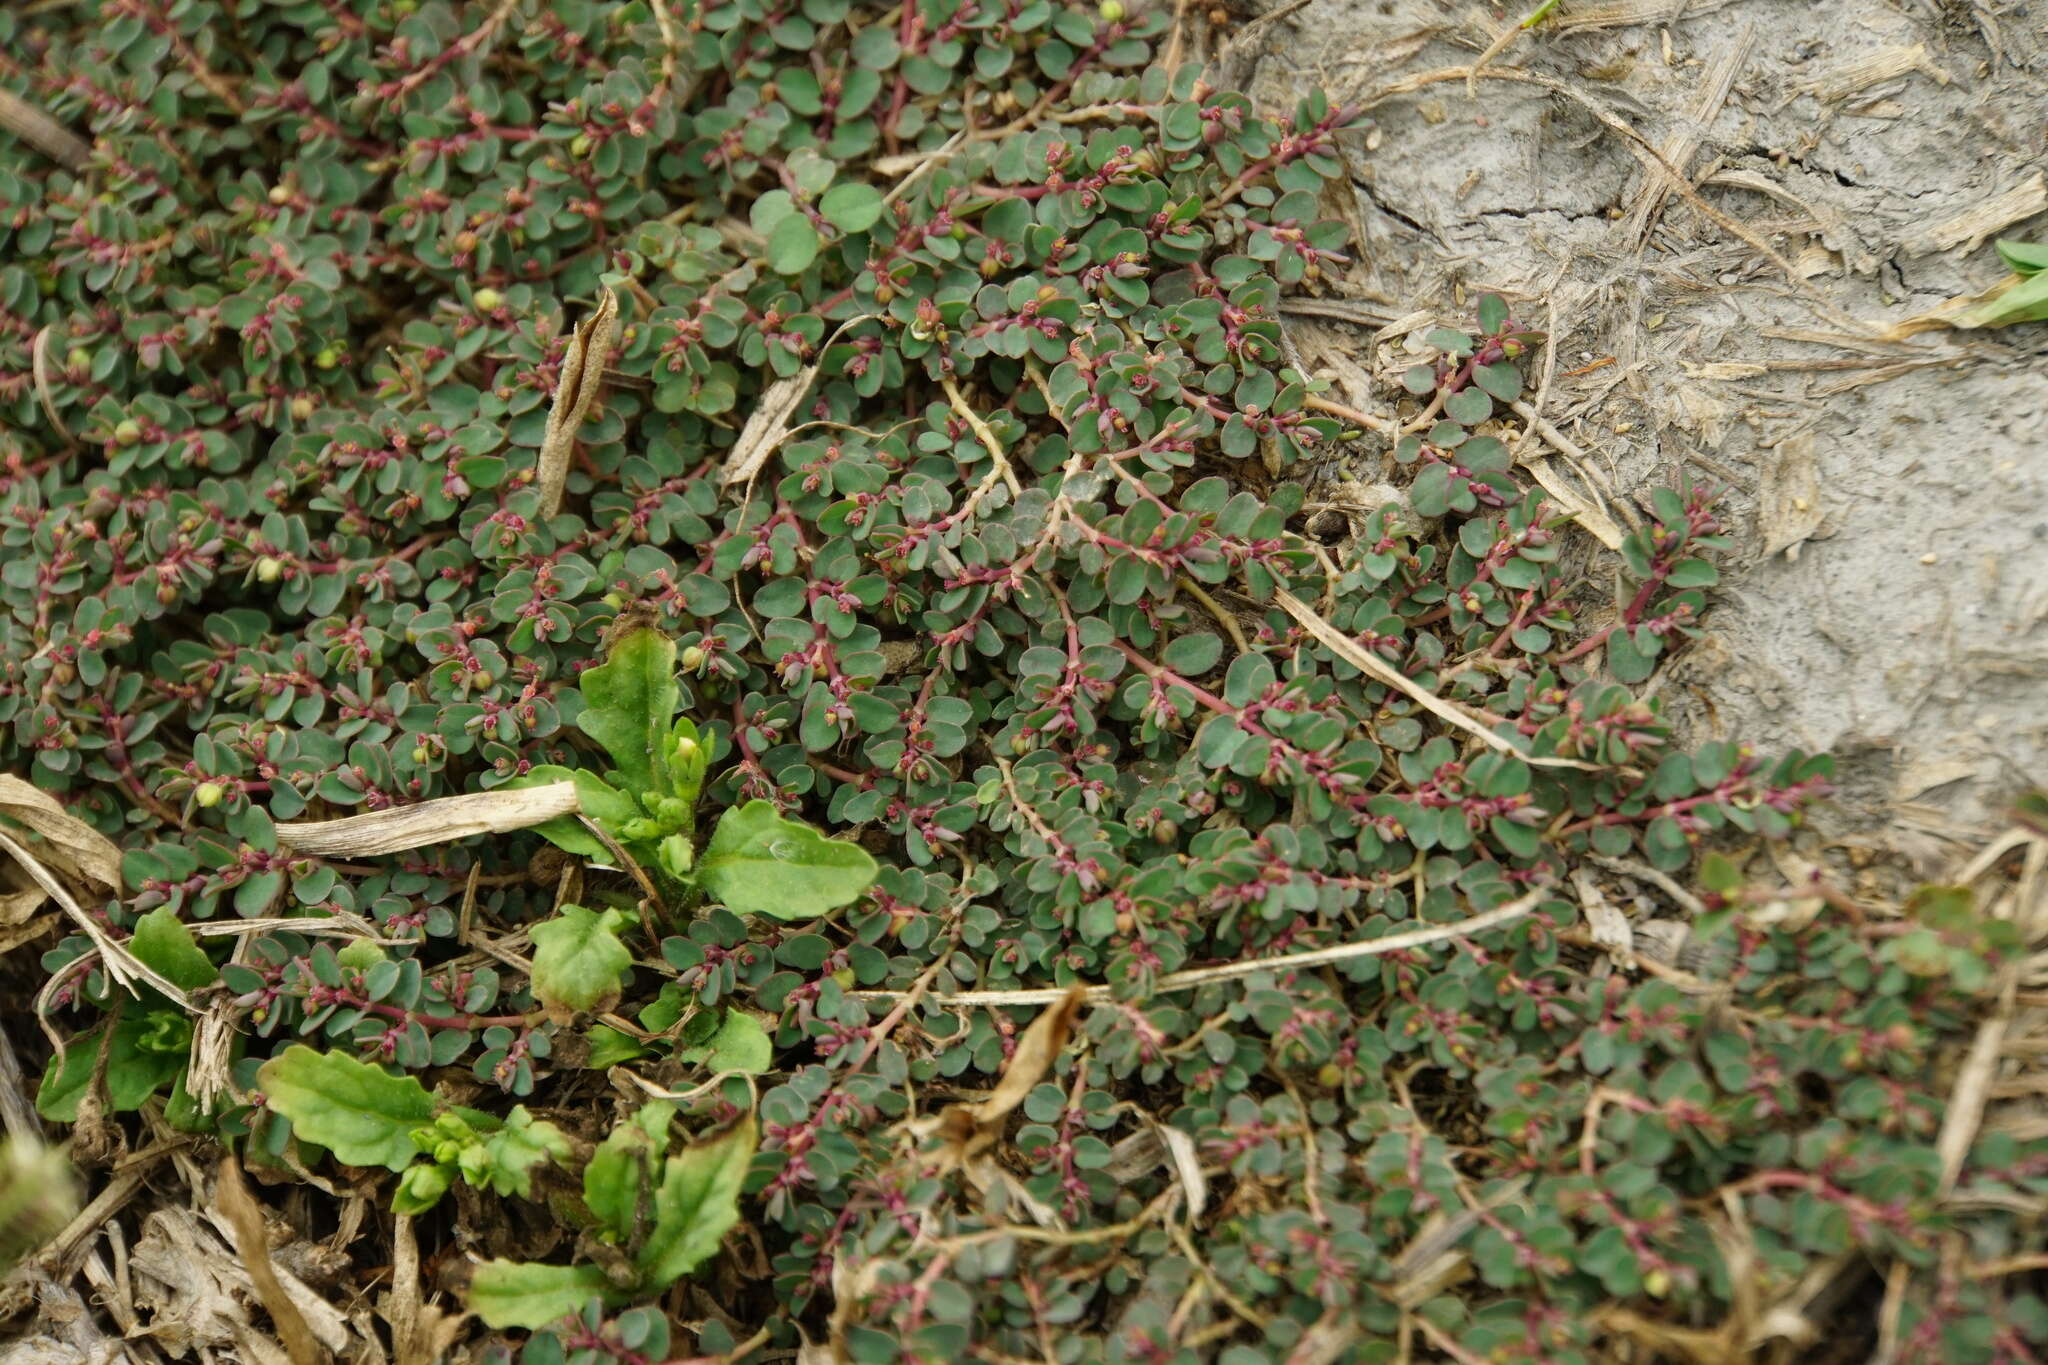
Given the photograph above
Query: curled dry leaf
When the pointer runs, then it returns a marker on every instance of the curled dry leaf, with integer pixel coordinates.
(970, 1130)
(1609, 926)
(766, 426)
(1789, 512)
(19, 905)
(39, 369)
(590, 345)
(1136, 1155)
(192, 1289)
(1187, 1164)
(398, 828)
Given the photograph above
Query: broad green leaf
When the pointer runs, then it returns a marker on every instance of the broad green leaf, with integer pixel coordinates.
(1503, 381)
(578, 959)
(624, 1165)
(758, 863)
(793, 245)
(812, 172)
(531, 1295)
(609, 1047)
(697, 1204)
(2025, 300)
(601, 801)
(1469, 407)
(740, 1044)
(2024, 258)
(852, 207)
(163, 942)
(629, 707)
(1720, 873)
(140, 1062)
(1430, 494)
(360, 1112)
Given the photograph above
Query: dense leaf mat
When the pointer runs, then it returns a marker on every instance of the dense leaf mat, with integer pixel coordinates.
(909, 386)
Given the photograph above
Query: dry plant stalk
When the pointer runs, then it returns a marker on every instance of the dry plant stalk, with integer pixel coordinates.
(1678, 149)
(1841, 81)
(1629, 13)
(1365, 662)
(43, 133)
(421, 1333)
(439, 821)
(253, 1243)
(1589, 515)
(1970, 1096)
(210, 1074)
(1313, 957)
(1970, 227)
(575, 395)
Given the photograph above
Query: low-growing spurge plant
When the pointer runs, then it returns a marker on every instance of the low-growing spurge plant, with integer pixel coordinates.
(929, 624)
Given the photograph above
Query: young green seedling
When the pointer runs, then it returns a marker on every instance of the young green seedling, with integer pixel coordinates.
(756, 862)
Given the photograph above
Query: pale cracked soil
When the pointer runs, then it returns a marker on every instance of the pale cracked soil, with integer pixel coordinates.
(1888, 595)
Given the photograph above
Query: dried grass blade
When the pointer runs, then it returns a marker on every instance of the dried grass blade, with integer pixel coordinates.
(39, 369)
(1967, 1099)
(439, 821)
(1187, 1164)
(79, 847)
(1313, 957)
(123, 966)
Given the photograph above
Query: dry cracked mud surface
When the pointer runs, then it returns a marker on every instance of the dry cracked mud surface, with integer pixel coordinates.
(1847, 167)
